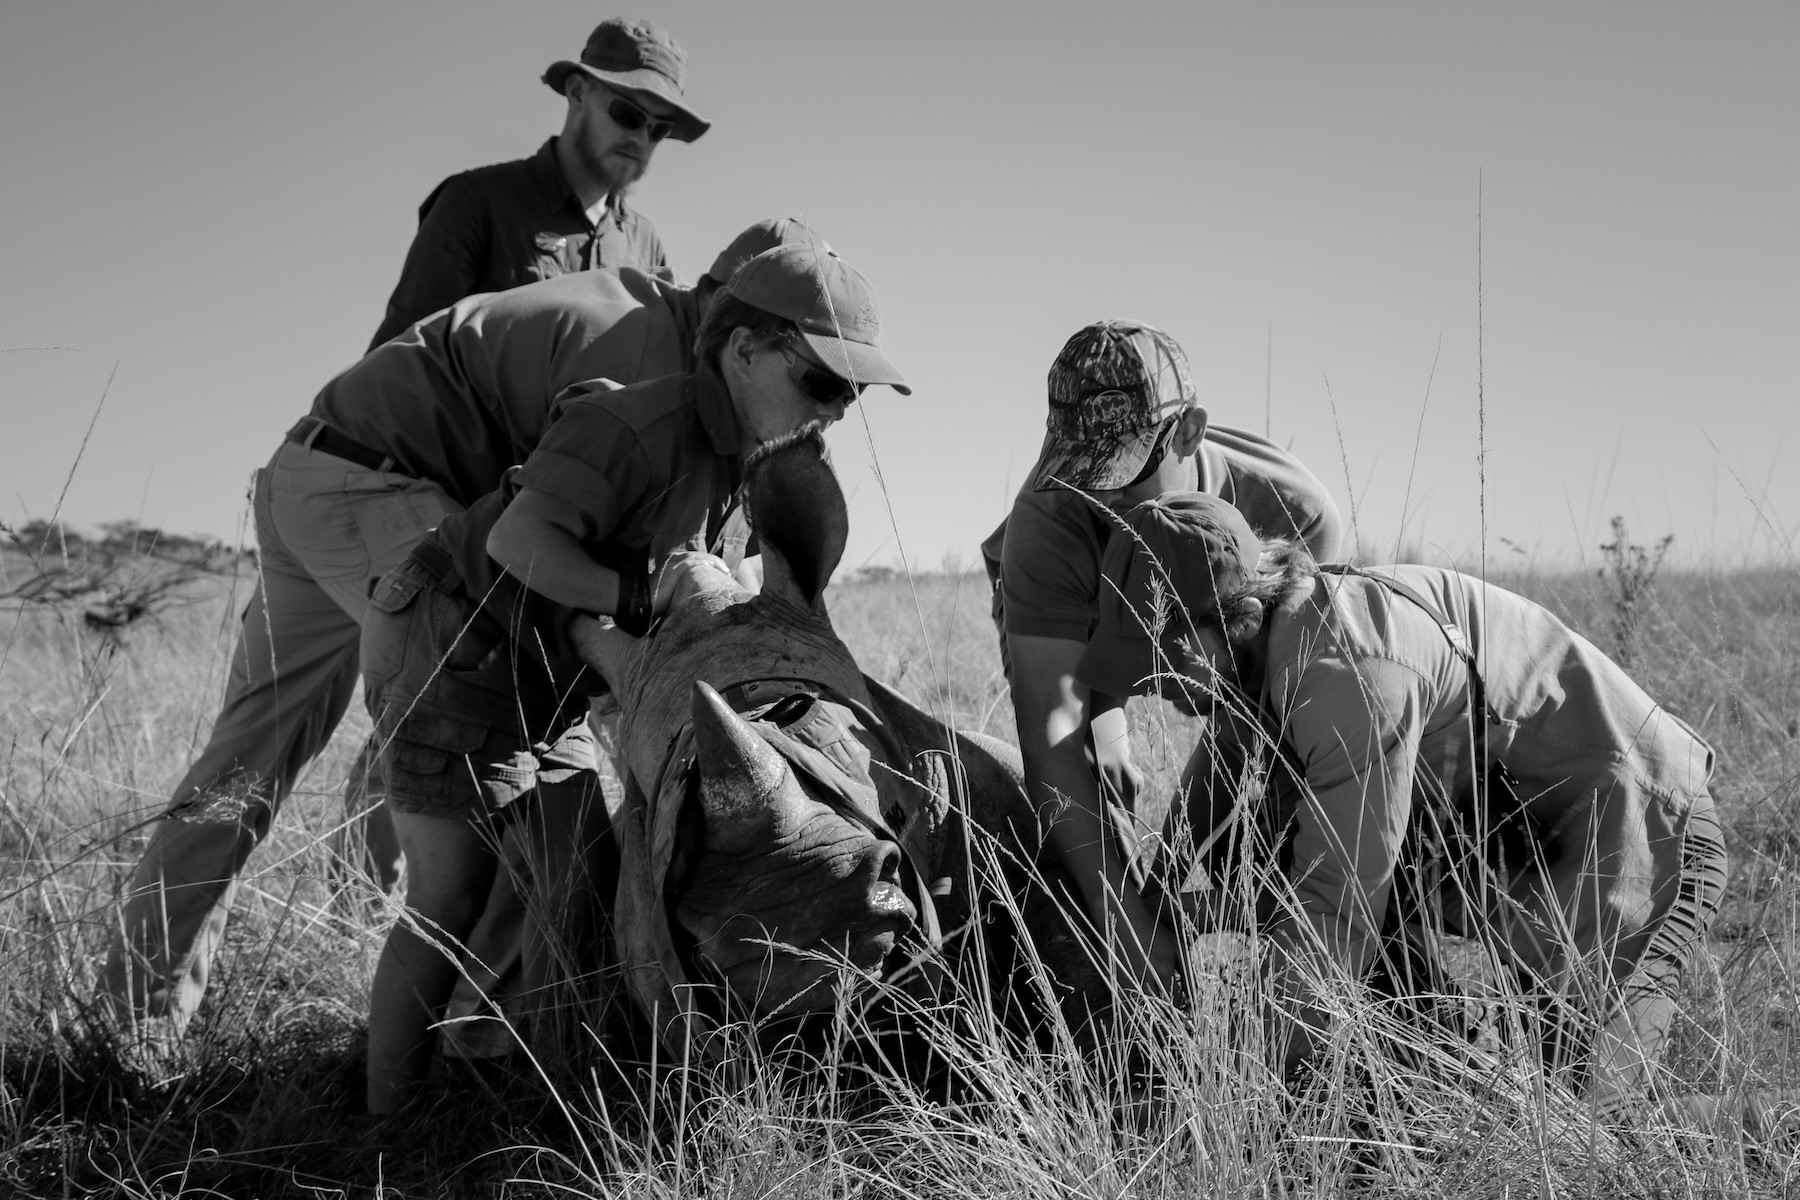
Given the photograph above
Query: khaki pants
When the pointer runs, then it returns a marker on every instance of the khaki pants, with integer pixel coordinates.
(326, 529)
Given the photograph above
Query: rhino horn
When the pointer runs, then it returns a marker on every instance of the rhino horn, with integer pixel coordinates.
(743, 780)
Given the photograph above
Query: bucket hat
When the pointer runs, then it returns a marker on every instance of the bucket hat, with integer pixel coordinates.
(636, 58)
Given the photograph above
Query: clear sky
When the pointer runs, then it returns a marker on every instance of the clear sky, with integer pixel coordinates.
(214, 198)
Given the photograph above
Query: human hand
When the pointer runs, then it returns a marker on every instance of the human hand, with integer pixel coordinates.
(600, 644)
(683, 575)
(1120, 779)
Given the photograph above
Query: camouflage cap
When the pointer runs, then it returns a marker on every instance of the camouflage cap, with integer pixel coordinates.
(1111, 389)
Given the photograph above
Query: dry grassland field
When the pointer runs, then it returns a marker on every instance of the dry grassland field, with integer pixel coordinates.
(260, 1098)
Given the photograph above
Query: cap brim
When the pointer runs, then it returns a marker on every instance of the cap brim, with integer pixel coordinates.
(856, 361)
(641, 85)
(1117, 665)
(1089, 467)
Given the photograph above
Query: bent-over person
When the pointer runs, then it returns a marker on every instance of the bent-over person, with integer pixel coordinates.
(418, 430)
(1124, 425)
(478, 692)
(1449, 757)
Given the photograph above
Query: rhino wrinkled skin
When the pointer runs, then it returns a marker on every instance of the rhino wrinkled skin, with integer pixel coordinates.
(736, 868)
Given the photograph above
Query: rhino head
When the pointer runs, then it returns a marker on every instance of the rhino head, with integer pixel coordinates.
(786, 890)
(758, 832)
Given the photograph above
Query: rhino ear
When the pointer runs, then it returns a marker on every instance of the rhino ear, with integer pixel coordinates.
(742, 778)
(797, 509)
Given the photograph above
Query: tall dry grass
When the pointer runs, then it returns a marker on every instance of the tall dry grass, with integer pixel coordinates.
(258, 1099)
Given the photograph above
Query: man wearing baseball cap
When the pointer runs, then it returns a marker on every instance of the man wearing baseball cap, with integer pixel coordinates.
(1451, 759)
(422, 426)
(563, 209)
(1124, 426)
(595, 523)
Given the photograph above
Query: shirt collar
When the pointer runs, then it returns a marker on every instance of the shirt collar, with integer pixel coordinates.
(713, 402)
(556, 188)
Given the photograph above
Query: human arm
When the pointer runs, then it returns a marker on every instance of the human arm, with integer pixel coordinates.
(1355, 727)
(1110, 732)
(1053, 712)
(538, 540)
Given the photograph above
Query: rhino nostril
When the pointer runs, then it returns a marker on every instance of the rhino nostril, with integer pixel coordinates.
(887, 862)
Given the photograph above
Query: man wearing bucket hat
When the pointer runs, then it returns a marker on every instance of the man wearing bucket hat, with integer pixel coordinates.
(563, 209)
(469, 663)
(1124, 425)
(419, 428)
(1449, 757)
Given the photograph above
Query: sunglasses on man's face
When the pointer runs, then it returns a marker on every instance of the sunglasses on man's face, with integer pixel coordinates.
(816, 383)
(631, 118)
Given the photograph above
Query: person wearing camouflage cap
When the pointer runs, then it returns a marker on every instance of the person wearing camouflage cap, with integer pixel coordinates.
(1124, 426)
(563, 209)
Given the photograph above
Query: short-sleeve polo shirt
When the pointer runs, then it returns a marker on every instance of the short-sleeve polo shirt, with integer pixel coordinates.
(652, 469)
(460, 397)
(1054, 540)
(506, 225)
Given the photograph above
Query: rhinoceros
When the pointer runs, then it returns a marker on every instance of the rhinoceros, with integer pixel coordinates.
(792, 830)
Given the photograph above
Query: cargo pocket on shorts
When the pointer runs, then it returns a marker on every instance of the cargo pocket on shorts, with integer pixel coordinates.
(427, 757)
(388, 628)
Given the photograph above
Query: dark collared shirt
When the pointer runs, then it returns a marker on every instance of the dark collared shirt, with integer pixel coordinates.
(516, 222)
(465, 394)
(650, 469)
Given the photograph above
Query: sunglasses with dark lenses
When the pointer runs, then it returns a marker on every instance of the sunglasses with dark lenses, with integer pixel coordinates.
(819, 385)
(631, 118)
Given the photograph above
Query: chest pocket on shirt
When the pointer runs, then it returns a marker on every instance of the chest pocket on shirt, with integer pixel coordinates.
(557, 254)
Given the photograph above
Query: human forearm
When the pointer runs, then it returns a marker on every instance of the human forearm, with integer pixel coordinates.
(551, 561)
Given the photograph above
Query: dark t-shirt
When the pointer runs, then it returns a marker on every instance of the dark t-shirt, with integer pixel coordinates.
(1052, 542)
(509, 224)
(465, 394)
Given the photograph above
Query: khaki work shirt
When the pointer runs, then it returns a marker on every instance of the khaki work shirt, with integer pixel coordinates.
(1370, 704)
(1048, 550)
(509, 224)
(463, 395)
(651, 469)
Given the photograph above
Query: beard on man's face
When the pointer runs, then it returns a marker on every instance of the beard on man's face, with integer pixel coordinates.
(595, 143)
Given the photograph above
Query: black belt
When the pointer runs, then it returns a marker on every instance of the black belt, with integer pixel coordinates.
(315, 434)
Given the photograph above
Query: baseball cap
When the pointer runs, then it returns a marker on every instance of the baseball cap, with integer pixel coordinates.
(764, 235)
(1111, 388)
(829, 301)
(1176, 553)
(640, 60)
